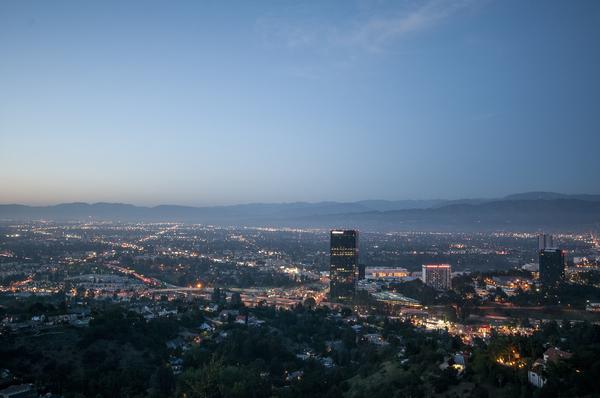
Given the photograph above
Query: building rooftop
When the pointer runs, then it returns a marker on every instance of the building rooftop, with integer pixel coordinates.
(395, 297)
(554, 355)
(17, 388)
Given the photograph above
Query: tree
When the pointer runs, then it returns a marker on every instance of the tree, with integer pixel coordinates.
(217, 296)
(236, 301)
(201, 383)
(346, 312)
(162, 382)
(310, 303)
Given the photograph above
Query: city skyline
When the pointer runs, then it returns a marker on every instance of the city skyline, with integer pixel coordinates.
(209, 104)
(337, 199)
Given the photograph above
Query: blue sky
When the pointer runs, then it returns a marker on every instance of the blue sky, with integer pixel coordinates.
(232, 102)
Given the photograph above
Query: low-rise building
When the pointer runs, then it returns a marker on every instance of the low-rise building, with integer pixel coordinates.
(19, 391)
(392, 298)
(385, 273)
(551, 355)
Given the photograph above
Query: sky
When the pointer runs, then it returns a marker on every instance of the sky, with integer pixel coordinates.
(204, 103)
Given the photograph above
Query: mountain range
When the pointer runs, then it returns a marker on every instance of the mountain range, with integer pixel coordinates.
(525, 211)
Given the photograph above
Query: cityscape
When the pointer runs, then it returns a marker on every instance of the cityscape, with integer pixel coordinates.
(280, 199)
(504, 310)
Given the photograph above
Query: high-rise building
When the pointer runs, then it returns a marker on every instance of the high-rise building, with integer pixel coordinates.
(361, 272)
(438, 276)
(343, 270)
(545, 241)
(552, 267)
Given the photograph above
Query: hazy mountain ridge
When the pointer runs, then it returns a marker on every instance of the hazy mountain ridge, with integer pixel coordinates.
(552, 196)
(521, 211)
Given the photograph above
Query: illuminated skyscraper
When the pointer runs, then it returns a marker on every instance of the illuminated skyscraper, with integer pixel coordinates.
(438, 276)
(552, 267)
(343, 271)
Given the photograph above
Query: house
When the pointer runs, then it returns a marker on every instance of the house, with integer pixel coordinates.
(551, 355)
(38, 318)
(461, 358)
(205, 327)
(255, 321)
(165, 312)
(554, 355)
(297, 375)
(64, 318)
(5, 377)
(211, 308)
(534, 375)
(375, 338)
(224, 315)
(80, 322)
(190, 337)
(175, 343)
(176, 365)
(327, 362)
(19, 391)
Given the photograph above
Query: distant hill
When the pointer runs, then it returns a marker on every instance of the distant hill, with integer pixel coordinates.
(551, 196)
(527, 211)
(503, 215)
(388, 205)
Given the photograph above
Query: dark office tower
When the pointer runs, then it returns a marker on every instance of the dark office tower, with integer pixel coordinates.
(343, 270)
(552, 267)
(361, 272)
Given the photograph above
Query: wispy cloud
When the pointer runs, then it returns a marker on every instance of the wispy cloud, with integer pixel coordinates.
(379, 31)
(371, 31)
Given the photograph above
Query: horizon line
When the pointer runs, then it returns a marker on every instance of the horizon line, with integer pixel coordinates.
(91, 203)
